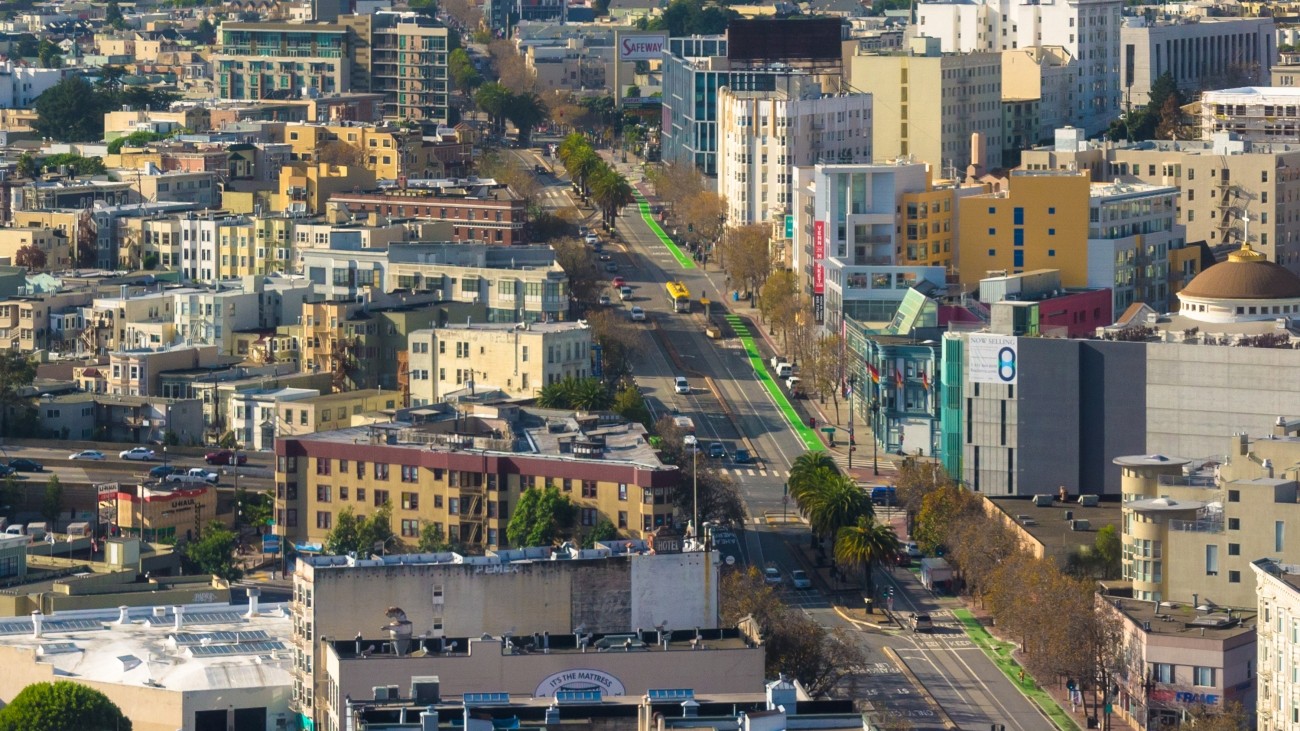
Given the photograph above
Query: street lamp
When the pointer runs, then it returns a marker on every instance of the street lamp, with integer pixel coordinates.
(853, 445)
(875, 456)
(695, 491)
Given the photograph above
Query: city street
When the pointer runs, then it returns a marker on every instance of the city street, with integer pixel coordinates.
(728, 404)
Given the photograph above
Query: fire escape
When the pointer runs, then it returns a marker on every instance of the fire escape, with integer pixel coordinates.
(1229, 211)
(342, 365)
(472, 499)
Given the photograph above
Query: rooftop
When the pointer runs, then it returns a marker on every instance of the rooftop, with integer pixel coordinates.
(1288, 574)
(1049, 526)
(524, 643)
(1254, 91)
(500, 557)
(542, 327)
(1178, 619)
(219, 646)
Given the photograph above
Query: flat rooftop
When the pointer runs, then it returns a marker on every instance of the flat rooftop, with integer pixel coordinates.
(218, 646)
(1049, 526)
(1181, 619)
(524, 643)
(503, 557)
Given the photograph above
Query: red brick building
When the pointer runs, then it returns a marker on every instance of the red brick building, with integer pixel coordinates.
(485, 212)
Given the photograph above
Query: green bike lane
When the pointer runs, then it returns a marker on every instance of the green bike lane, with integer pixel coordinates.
(806, 435)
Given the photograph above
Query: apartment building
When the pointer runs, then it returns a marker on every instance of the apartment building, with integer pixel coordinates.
(1045, 74)
(763, 134)
(578, 65)
(588, 590)
(695, 69)
(464, 470)
(1277, 591)
(515, 360)
(212, 317)
(52, 322)
(408, 65)
(255, 414)
(121, 418)
(479, 210)
(927, 105)
(129, 320)
(152, 184)
(20, 85)
(1222, 180)
(517, 284)
(138, 372)
(325, 236)
(1088, 30)
(281, 60)
(1198, 52)
(388, 151)
(54, 244)
(305, 188)
(847, 236)
(1116, 236)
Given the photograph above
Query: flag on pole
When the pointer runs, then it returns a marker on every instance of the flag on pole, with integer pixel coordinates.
(925, 381)
(898, 378)
(875, 374)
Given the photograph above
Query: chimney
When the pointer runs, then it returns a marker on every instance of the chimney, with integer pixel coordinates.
(123, 615)
(179, 612)
(37, 620)
(253, 594)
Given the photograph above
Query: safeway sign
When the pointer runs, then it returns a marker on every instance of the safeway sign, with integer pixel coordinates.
(641, 47)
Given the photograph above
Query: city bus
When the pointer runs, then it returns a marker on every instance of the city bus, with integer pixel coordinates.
(679, 296)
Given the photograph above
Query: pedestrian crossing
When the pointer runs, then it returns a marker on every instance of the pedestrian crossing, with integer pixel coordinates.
(754, 472)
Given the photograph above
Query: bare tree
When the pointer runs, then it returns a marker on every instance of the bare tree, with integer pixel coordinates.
(744, 254)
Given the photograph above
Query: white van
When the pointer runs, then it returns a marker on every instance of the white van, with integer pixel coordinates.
(784, 370)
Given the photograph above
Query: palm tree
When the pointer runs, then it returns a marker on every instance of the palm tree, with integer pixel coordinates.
(807, 465)
(866, 544)
(573, 142)
(557, 395)
(492, 99)
(525, 111)
(589, 394)
(611, 191)
(836, 503)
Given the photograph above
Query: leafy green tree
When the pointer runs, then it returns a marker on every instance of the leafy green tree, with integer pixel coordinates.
(630, 404)
(113, 16)
(525, 111)
(692, 17)
(601, 532)
(432, 539)
(60, 706)
(135, 139)
(586, 394)
(834, 504)
(71, 111)
(16, 372)
(49, 54)
(464, 75)
(206, 32)
(75, 163)
(52, 500)
(866, 545)
(213, 552)
(493, 99)
(258, 507)
(228, 441)
(1106, 548)
(540, 518)
(27, 166)
(360, 535)
(611, 192)
(30, 257)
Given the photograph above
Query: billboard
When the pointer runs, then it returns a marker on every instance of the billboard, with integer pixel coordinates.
(819, 278)
(782, 40)
(819, 308)
(642, 47)
(819, 253)
(992, 359)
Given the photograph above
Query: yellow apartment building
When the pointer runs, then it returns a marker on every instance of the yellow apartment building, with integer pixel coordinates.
(929, 228)
(1039, 222)
(388, 152)
(335, 411)
(305, 187)
(465, 471)
(273, 235)
(52, 242)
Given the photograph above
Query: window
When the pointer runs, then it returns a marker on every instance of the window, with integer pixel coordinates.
(324, 520)
(322, 493)
(410, 528)
(1279, 535)
(1203, 677)
(1234, 496)
(1162, 672)
(622, 491)
(343, 492)
(361, 494)
(381, 497)
(437, 502)
(453, 506)
(322, 466)
(589, 489)
(410, 501)
(410, 473)
(1234, 523)
(381, 471)
(1234, 549)
(1211, 560)
(588, 516)
(622, 519)
(1234, 577)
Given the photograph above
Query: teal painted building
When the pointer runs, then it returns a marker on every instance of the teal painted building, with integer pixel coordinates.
(897, 379)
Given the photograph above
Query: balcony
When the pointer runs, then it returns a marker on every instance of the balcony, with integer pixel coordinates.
(1214, 525)
(1208, 482)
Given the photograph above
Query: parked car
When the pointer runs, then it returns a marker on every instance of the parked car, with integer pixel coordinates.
(604, 300)
(799, 579)
(193, 476)
(541, 170)
(717, 451)
(772, 576)
(681, 385)
(921, 622)
(25, 465)
(625, 293)
(164, 470)
(606, 256)
(143, 454)
(93, 454)
(224, 457)
(912, 550)
(618, 282)
(591, 239)
(638, 314)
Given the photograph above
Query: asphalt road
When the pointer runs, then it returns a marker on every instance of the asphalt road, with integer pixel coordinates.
(955, 673)
(114, 469)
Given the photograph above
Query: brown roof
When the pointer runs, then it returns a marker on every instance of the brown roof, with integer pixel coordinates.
(1244, 276)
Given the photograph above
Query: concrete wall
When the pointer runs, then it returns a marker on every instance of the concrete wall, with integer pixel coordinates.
(1198, 396)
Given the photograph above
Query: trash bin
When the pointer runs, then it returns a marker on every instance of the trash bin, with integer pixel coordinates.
(735, 296)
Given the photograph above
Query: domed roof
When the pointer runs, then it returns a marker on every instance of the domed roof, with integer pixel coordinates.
(1246, 275)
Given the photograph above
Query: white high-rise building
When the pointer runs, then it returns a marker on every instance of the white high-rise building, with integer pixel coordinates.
(20, 85)
(762, 135)
(1089, 30)
(1277, 591)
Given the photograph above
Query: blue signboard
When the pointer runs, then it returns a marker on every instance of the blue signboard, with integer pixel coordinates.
(270, 543)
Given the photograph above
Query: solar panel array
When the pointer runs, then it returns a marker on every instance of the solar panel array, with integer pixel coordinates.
(668, 695)
(243, 648)
(201, 618)
(187, 639)
(577, 696)
(50, 625)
